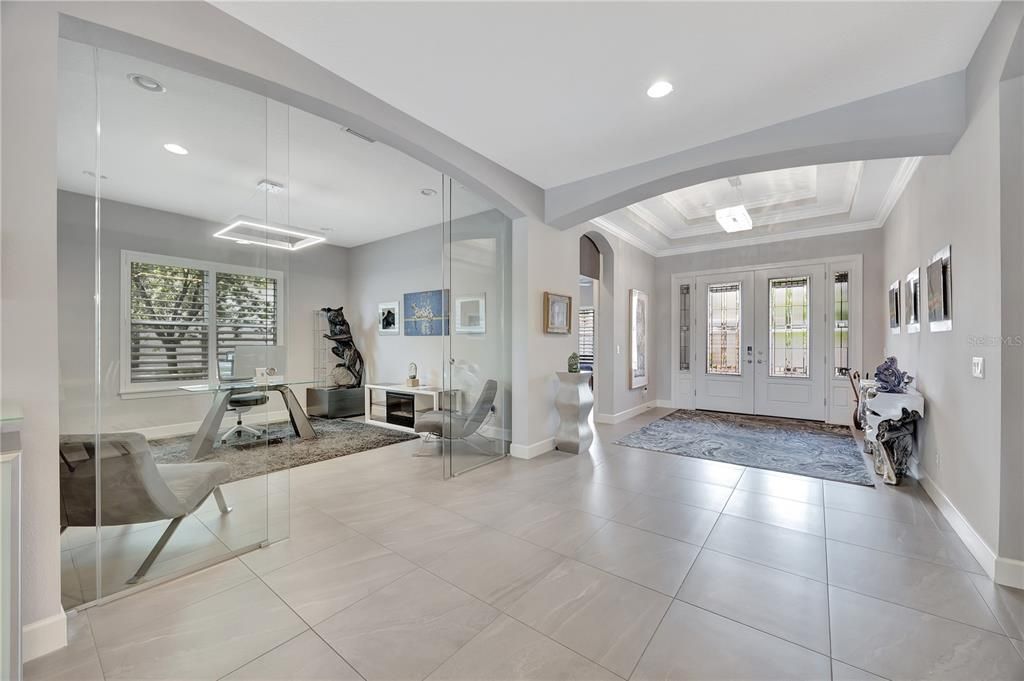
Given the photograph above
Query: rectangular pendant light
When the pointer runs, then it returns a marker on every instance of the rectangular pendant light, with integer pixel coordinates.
(250, 232)
(734, 218)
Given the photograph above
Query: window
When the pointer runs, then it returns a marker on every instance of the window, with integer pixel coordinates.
(184, 318)
(841, 327)
(724, 329)
(684, 327)
(789, 332)
(586, 337)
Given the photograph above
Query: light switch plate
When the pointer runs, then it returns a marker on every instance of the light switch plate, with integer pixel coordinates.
(978, 367)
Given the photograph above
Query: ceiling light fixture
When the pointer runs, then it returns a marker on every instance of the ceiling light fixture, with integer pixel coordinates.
(176, 149)
(659, 89)
(427, 191)
(269, 186)
(93, 175)
(146, 83)
(734, 218)
(356, 133)
(247, 232)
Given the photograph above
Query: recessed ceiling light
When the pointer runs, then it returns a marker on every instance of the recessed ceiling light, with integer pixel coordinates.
(93, 175)
(176, 149)
(734, 218)
(659, 89)
(427, 191)
(146, 83)
(270, 187)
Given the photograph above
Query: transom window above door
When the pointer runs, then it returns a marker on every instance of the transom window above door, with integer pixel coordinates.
(790, 329)
(724, 328)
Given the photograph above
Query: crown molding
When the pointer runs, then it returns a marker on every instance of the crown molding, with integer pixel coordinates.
(626, 236)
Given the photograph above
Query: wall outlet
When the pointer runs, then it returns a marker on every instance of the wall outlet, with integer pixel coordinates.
(978, 367)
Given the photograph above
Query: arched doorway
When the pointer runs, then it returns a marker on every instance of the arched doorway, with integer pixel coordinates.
(595, 317)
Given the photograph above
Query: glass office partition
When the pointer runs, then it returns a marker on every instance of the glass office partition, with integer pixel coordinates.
(174, 245)
(477, 272)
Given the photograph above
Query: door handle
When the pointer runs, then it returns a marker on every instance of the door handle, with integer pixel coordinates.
(760, 361)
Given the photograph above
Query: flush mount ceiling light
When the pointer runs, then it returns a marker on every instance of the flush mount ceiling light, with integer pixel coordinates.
(146, 83)
(269, 186)
(427, 191)
(734, 218)
(250, 232)
(176, 149)
(659, 89)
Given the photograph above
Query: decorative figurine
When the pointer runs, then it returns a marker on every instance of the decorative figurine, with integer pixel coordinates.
(412, 381)
(890, 379)
(574, 363)
(349, 372)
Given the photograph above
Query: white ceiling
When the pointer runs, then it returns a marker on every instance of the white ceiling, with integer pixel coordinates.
(338, 186)
(555, 91)
(783, 204)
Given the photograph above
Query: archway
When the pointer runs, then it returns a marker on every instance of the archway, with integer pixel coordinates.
(602, 295)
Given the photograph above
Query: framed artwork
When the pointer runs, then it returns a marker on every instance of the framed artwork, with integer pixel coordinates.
(940, 291)
(387, 319)
(557, 313)
(425, 313)
(638, 314)
(913, 303)
(471, 314)
(894, 307)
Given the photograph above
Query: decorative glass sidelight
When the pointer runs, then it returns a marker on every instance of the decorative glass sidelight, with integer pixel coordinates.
(841, 323)
(684, 327)
(789, 330)
(724, 329)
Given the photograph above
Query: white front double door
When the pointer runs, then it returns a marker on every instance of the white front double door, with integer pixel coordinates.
(760, 341)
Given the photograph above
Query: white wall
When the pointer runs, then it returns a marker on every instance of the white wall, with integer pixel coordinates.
(867, 243)
(956, 200)
(314, 277)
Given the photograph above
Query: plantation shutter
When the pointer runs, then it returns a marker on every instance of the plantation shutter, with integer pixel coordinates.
(246, 312)
(586, 335)
(169, 334)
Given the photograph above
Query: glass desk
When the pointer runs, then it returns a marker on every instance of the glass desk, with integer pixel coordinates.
(206, 437)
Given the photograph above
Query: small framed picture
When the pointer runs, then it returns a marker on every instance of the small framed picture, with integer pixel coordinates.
(388, 323)
(894, 307)
(913, 302)
(471, 314)
(940, 291)
(557, 313)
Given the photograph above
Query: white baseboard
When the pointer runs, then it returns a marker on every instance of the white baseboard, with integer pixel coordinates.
(624, 415)
(531, 451)
(1010, 572)
(178, 429)
(44, 636)
(981, 551)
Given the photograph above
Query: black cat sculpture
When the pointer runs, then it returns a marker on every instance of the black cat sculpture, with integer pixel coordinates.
(349, 372)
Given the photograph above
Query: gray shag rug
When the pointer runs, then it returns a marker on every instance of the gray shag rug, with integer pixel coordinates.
(809, 448)
(281, 449)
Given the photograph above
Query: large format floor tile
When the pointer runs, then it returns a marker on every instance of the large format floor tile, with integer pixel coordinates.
(304, 657)
(661, 516)
(793, 515)
(897, 503)
(204, 640)
(792, 487)
(554, 527)
(594, 498)
(407, 629)
(655, 561)
(771, 545)
(77, 661)
(696, 645)
(510, 651)
(780, 603)
(603, 617)
(899, 643)
(326, 582)
(690, 492)
(495, 567)
(917, 584)
(1005, 602)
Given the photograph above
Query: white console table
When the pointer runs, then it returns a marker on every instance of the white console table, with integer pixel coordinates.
(890, 421)
(400, 408)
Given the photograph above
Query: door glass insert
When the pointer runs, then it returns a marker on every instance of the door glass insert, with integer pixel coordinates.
(841, 328)
(684, 327)
(724, 325)
(789, 332)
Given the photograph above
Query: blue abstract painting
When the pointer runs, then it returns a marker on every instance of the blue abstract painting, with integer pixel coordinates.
(426, 313)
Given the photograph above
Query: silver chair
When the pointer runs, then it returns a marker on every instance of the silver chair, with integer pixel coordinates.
(240, 404)
(443, 425)
(133, 487)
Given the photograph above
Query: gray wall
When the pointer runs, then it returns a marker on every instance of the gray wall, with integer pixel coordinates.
(314, 277)
(866, 242)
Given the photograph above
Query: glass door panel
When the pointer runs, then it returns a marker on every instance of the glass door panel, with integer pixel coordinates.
(725, 332)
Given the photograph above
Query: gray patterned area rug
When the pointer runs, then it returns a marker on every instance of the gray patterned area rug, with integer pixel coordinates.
(809, 448)
(281, 449)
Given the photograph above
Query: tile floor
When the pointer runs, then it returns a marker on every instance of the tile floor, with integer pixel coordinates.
(618, 564)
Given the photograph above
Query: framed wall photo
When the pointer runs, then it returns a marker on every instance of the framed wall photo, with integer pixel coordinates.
(425, 313)
(940, 291)
(557, 313)
(388, 323)
(894, 307)
(471, 314)
(638, 315)
(913, 302)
